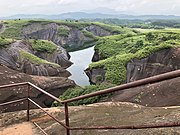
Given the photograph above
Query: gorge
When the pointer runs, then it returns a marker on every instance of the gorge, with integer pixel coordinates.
(47, 49)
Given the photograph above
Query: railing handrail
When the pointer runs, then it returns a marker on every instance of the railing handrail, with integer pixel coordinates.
(13, 85)
(34, 86)
(46, 93)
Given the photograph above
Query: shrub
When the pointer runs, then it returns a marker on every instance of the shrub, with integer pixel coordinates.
(63, 32)
(149, 36)
(78, 91)
(43, 46)
(5, 42)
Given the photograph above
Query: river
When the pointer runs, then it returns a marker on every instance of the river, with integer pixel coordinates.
(81, 60)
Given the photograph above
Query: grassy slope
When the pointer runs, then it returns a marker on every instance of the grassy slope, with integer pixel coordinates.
(13, 28)
(118, 50)
(4, 42)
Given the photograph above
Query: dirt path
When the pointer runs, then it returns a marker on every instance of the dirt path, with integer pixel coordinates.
(25, 128)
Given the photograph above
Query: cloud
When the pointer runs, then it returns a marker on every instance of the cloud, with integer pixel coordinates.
(9, 7)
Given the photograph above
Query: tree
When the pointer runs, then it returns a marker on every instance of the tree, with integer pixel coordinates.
(139, 44)
(149, 36)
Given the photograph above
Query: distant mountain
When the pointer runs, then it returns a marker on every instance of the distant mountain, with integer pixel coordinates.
(84, 15)
(31, 16)
(106, 10)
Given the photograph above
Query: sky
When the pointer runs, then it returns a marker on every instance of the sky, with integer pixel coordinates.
(138, 7)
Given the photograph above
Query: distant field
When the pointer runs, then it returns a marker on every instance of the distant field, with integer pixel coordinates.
(174, 30)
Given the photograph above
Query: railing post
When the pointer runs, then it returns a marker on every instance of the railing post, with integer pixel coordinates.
(28, 102)
(67, 118)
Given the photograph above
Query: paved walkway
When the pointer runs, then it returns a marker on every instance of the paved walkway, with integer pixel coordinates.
(25, 128)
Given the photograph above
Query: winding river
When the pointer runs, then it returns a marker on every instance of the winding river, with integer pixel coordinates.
(81, 60)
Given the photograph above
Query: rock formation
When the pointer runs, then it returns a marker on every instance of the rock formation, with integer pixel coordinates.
(98, 31)
(13, 58)
(160, 62)
(75, 38)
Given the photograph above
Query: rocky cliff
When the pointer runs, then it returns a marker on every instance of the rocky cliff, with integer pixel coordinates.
(69, 37)
(157, 63)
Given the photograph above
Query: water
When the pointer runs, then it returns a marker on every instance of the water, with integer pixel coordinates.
(81, 60)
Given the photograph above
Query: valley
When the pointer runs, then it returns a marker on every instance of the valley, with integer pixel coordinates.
(106, 55)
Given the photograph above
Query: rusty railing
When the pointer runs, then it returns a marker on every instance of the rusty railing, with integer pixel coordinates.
(66, 125)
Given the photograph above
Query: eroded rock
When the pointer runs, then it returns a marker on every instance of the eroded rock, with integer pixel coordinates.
(102, 114)
(13, 58)
(160, 62)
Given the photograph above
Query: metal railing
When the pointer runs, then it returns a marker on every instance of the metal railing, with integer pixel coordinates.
(66, 125)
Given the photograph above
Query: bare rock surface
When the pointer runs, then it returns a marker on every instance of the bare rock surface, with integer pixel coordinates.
(103, 114)
(165, 93)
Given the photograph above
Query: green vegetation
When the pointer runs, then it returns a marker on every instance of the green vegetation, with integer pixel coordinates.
(34, 59)
(166, 30)
(137, 23)
(5, 42)
(74, 24)
(63, 31)
(114, 29)
(89, 34)
(43, 46)
(78, 91)
(118, 50)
